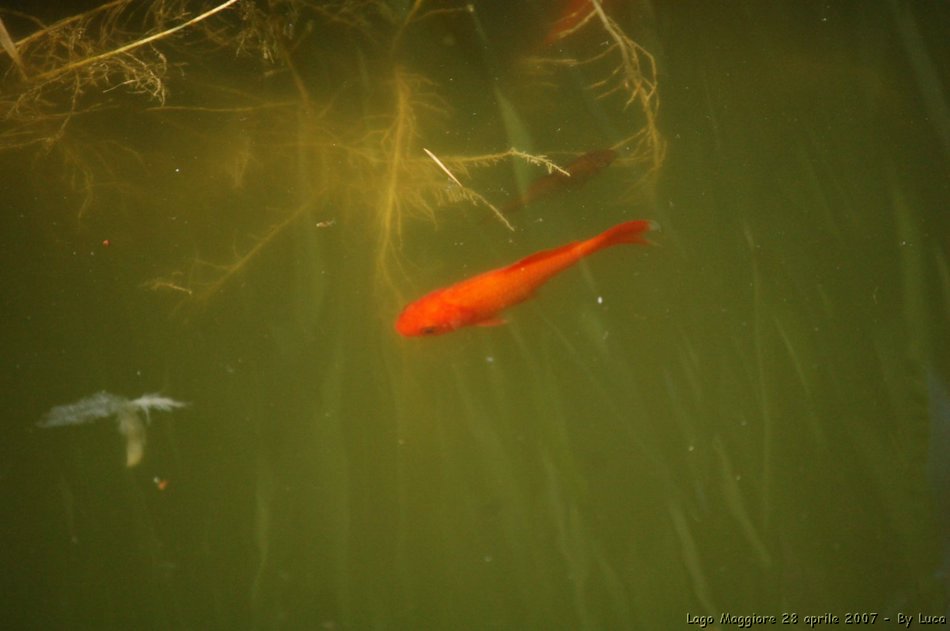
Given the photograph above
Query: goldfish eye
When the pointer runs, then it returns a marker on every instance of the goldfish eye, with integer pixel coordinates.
(429, 330)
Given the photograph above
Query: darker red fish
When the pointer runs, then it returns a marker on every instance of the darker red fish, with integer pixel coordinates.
(479, 300)
(575, 12)
(580, 170)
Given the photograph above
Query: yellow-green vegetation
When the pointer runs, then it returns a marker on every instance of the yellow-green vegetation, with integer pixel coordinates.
(327, 112)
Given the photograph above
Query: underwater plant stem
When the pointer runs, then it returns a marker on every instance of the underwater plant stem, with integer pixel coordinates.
(416, 5)
(238, 266)
(295, 74)
(132, 46)
(474, 194)
(402, 131)
(758, 337)
(7, 42)
(45, 30)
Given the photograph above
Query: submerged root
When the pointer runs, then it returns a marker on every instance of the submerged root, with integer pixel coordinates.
(350, 135)
(624, 75)
(71, 78)
(65, 64)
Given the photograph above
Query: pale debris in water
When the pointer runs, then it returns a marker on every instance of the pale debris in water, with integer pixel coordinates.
(127, 413)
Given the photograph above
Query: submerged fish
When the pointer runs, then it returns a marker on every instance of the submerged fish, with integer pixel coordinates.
(575, 12)
(580, 170)
(479, 300)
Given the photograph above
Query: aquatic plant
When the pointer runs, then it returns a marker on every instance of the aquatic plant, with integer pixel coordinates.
(350, 138)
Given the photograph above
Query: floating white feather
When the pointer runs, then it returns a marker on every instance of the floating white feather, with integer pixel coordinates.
(103, 405)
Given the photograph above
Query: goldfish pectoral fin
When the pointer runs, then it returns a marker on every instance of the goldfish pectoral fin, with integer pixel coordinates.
(492, 321)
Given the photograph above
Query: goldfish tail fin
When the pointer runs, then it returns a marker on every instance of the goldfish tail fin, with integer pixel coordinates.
(628, 232)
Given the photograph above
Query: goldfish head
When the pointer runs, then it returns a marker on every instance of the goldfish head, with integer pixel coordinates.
(428, 316)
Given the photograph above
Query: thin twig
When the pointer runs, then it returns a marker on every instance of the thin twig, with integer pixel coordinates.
(443, 167)
(7, 42)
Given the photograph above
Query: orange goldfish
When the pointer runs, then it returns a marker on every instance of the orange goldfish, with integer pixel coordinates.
(479, 300)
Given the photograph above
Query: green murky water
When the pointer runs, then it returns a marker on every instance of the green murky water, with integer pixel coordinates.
(749, 417)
